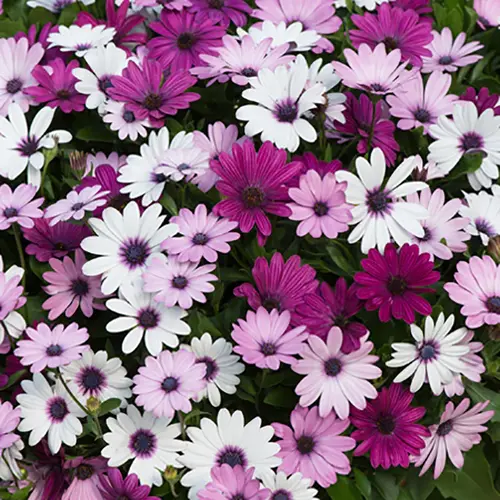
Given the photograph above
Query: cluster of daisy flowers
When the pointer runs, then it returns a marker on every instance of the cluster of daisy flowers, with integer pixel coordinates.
(244, 243)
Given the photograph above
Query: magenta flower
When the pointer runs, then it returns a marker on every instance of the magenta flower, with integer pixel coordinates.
(264, 339)
(176, 282)
(233, 482)
(183, 38)
(419, 6)
(54, 241)
(10, 293)
(482, 99)
(70, 289)
(51, 348)
(313, 446)
(476, 289)
(309, 161)
(18, 206)
(387, 428)
(253, 186)
(114, 485)
(278, 285)
(360, 125)
(319, 203)
(326, 308)
(86, 474)
(222, 11)
(203, 236)
(396, 29)
(337, 379)
(56, 86)
(167, 383)
(42, 38)
(149, 95)
(9, 420)
(394, 282)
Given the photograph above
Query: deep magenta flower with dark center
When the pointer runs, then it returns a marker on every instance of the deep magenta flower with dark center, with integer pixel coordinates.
(222, 11)
(387, 428)
(482, 99)
(393, 283)
(326, 308)
(253, 184)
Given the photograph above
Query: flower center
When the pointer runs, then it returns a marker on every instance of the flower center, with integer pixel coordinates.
(232, 456)
(84, 472)
(390, 43)
(377, 87)
(305, 445)
(427, 352)
(281, 495)
(143, 443)
(333, 366)
(493, 305)
(471, 142)
(128, 116)
(170, 384)
(14, 86)
(422, 115)
(253, 197)
(216, 4)
(268, 349)
(54, 350)
(378, 201)
(180, 282)
(91, 379)
(397, 285)
(152, 101)
(445, 60)
(77, 206)
(148, 318)
(444, 428)
(186, 40)
(80, 287)
(159, 178)
(212, 368)
(63, 94)
(483, 226)
(83, 46)
(60, 246)
(270, 303)
(200, 239)
(10, 212)
(286, 111)
(386, 424)
(58, 409)
(248, 72)
(136, 253)
(104, 84)
(28, 146)
(427, 234)
(320, 208)
(484, 21)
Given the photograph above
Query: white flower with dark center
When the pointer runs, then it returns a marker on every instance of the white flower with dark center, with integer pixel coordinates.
(294, 487)
(125, 242)
(282, 99)
(435, 357)
(223, 367)
(81, 39)
(483, 211)
(21, 149)
(96, 376)
(380, 214)
(467, 133)
(49, 410)
(229, 441)
(142, 316)
(103, 63)
(149, 441)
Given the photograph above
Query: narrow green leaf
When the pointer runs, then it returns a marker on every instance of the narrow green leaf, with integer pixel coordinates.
(109, 405)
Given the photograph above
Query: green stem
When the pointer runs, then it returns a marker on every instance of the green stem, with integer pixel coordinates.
(73, 397)
(180, 416)
(20, 251)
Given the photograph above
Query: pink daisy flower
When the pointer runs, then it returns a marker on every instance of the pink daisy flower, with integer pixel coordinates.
(9, 420)
(18, 206)
(419, 107)
(51, 348)
(374, 71)
(458, 431)
(319, 203)
(313, 446)
(488, 12)
(114, 485)
(176, 282)
(222, 11)
(167, 383)
(308, 162)
(70, 289)
(114, 160)
(203, 235)
(336, 378)
(448, 54)
(123, 121)
(87, 474)
(477, 288)
(264, 339)
(10, 294)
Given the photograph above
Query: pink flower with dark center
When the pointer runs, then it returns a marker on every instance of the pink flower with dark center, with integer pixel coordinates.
(18, 206)
(10, 293)
(222, 11)
(86, 474)
(488, 12)
(9, 420)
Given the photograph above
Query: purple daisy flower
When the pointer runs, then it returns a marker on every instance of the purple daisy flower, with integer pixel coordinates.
(183, 38)
(482, 99)
(151, 95)
(419, 6)
(222, 11)
(309, 162)
(18, 206)
(115, 486)
(42, 38)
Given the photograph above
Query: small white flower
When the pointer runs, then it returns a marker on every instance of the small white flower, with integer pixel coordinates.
(9, 466)
(55, 6)
(435, 357)
(483, 211)
(81, 39)
(294, 487)
(124, 121)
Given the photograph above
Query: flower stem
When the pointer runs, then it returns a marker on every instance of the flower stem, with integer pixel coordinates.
(374, 98)
(180, 416)
(20, 251)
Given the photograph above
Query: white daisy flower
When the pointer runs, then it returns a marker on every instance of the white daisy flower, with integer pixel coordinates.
(94, 375)
(148, 441)
(55, 6)
(294, 487)
(80, 39)
(142, 173)
(282, 99)
(123, 121)
(380, 214)
(104, 62)
(9, 466)
(434, 358)
(231, 442)
(46, 409)
(223, 367)
(14, 324)
(21, 148)
(125, 242)
(145, 317)
(483, 211)
(467, 132)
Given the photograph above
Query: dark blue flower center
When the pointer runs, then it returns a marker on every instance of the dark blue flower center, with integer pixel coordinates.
(135, 253)
(80, 287)
(54, 350)
(268, 349)
(212, 368)
(104, 84)
(148, 318)
(200, 239)
(378, 201)
(248, 72)
(422, 115)
(305, 445)
(281, 495)
(170, 384)
(143, 442)
(444, 428)
(180, 282)
(320, 208)
(333, 367)
(10, 212)
(377, 87)
(445, 60)
(493, 305)
(286, 111)
(232, 456)
(427, 352)
(77, 206)
(483, 226)
(58, 409)
(91, 379)
(471, 142)
(28, 146)
(129, 116)
(14, 86)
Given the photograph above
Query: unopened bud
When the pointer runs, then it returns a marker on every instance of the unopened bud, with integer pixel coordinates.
(170, 473)
(494, 247)
(93, 404)
(494, 333)
(78, 161)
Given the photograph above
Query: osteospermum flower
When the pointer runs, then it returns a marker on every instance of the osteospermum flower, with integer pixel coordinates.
(482, 99)
(222, 11)
(379, 212)
(70, 289)
(114, 485)
(337, 379)
(253, 184)
(393, 282)
(482, 211)
(55, 6)
(227, 441)
(49, 410)
(281, 99)
(488, 13)
(313, 446)
(396, 29)
(86, 474)
(319, 203)
(264, 339)
(476, 290)
(182, 163)
(293, 486)
(80, 39)
(388, 429)
(51, 347)
(204, 235)
(9, 420)
(123, 121)
(148, 441)
(448, 54)
(167, 383)
(10, 292)
(308, 162)
(18, 206)
(458, 431)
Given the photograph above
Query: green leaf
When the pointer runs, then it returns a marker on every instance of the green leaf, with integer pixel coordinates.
(468, 164)
(13, 379)
(247, 385)
(68, 14)
(272, 380)
(109, 405)
(344, 489)
(385, 484)
(41, 16)
(9, 28)
(38, 268)
(168, 203)
(33, 308)
(281, 397)
(21, 494)
(93, 133)
(479, 393)
(363, 484)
